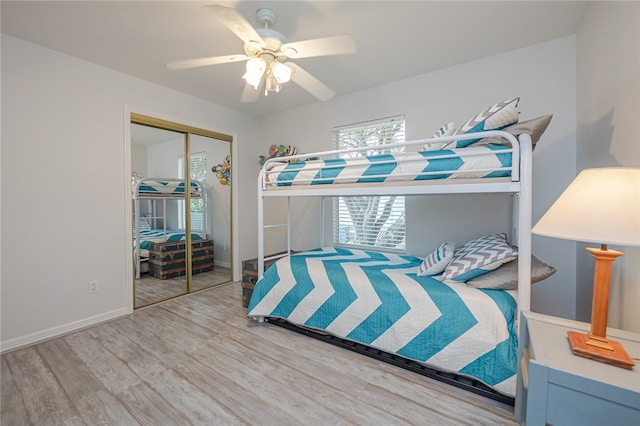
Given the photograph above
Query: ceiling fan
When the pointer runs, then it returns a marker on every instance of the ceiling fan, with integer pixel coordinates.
(266, 51)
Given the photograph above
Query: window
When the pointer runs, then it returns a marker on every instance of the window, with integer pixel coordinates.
(198, 168)
(370, 221)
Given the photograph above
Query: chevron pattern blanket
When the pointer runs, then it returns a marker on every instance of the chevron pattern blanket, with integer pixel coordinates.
(151, 236)
(462, 163)
(165, 187)
(378, 300)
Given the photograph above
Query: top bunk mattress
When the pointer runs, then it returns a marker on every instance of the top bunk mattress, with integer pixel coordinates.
(170, 187)
(487, 161)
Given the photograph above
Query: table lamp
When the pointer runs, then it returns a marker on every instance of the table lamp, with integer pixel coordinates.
(600, 206)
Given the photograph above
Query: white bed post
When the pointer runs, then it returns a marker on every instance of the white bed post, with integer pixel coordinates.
(323, 205)
(524, 224)
(289, 225)
(137, 225)
(260, 231)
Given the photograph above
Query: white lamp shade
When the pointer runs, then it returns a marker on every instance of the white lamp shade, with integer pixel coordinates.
(281, 72)
(255, 69)
(600, 206)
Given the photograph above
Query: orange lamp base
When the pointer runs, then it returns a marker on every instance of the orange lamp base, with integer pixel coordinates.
(614, 355)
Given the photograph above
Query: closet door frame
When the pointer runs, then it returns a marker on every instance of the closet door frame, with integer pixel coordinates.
(187, 131)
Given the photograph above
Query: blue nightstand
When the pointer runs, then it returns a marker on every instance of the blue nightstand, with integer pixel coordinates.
(557, 387)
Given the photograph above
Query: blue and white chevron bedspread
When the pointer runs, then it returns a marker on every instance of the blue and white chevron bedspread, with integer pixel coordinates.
(164, 187)
(461, 163)
(378, 300)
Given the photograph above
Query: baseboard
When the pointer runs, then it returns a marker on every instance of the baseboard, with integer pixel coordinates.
(40, 336)
(222, 264)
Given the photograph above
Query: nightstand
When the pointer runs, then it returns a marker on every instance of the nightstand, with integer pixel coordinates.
(557, 387)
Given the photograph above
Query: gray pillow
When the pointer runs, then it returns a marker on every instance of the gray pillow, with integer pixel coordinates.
(534, 127)
(506, 276)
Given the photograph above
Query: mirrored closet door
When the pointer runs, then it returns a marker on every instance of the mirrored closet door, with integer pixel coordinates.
(181, 195)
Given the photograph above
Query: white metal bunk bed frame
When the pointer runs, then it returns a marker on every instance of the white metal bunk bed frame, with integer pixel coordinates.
(519, 184)
(199, 193)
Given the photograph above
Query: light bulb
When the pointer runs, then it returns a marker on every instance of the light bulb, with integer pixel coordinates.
(272, 85)
(281, 72)
(255, 70)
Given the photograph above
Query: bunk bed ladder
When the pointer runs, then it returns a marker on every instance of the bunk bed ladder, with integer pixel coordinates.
(262, 228)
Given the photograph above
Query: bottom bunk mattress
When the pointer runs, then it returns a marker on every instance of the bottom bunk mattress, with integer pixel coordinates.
(378, 300)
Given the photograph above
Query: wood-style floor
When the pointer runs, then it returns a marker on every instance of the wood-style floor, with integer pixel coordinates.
(149, 289)
(197, 359)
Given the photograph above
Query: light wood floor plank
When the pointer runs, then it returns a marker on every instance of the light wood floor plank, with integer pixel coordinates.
(44, 399)
(251, 406)
(149, 408)
(198, 359)
(10, 398)
(114, 374)
(194, 404)
(141, 361)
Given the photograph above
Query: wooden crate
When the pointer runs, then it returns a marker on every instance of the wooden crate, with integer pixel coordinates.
(167, 260)
(250, 276)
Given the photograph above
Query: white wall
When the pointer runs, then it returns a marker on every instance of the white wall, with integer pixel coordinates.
(162, 162)
(139, 160)
(542, 75)
(608, 109)
(64, 180)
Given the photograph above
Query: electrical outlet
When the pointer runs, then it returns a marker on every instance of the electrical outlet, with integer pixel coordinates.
(93, 286)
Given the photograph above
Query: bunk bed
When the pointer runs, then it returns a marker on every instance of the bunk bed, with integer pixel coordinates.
(152, 211)
(306, 291)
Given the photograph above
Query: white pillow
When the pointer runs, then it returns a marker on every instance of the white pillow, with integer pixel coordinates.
(438, 260)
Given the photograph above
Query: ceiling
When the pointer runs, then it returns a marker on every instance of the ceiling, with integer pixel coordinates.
(395, 39)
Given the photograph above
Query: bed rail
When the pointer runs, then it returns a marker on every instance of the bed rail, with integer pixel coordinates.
(410, 146)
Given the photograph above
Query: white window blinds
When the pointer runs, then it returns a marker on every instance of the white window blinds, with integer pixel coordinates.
(370, 221)
(198, 169)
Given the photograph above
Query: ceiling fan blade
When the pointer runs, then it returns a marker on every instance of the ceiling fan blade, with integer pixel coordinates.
(309, 83)
(237, 24)
(340, 45)
(202, 62)
(249, 94)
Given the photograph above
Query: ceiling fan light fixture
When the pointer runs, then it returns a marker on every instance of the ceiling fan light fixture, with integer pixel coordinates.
(281, 72)
(255, 69)
(266, 52)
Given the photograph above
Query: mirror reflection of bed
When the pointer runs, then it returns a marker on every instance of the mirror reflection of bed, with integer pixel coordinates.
(160, 219)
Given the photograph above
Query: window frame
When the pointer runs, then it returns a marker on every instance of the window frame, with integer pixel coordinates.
(382, 131)
(197, 204)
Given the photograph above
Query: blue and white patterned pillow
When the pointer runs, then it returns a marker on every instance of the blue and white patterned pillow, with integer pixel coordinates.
(495, 117)
(478, 257)
(437, 261)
